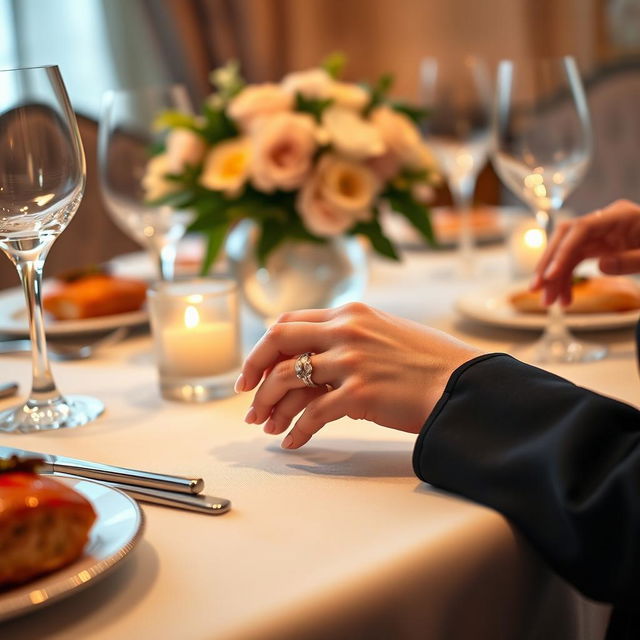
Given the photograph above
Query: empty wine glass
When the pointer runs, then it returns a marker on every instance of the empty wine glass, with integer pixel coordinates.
(457, 94)
(128, 137)
(542, 148)
(42, 178)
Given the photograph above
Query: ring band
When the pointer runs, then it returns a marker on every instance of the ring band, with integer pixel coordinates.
(304, 369)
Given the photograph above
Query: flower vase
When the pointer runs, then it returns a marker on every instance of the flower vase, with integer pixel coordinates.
(296, 274)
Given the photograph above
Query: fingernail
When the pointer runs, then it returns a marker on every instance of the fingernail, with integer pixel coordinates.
(250, 418)
(239, 385)
(287, 443)
(270, 427)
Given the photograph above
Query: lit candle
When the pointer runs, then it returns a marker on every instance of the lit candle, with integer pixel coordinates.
(197, 349)
(526, 246)
(197, 337)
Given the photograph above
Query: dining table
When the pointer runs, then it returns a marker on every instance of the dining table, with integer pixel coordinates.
(336, 540)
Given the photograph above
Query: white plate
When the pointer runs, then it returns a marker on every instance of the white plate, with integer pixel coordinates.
(116, 531)
(13, 318)
(491, 306)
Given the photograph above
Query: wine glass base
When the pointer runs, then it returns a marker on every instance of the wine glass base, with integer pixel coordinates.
(557, 349)
(66, 412)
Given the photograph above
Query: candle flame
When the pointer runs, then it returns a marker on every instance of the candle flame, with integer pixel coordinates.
(191, 317)
(534, 238)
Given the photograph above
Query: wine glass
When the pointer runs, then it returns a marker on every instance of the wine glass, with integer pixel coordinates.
(457, 94)
(542, 148)
(127, 139)
(42, 179)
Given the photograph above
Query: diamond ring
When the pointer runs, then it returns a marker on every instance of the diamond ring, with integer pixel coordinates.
(304, 369)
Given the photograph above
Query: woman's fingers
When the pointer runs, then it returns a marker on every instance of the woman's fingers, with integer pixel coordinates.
(289, 407)
(561, 230)
(282, 339)
(326, 408)
(621, 263)
(283, 379)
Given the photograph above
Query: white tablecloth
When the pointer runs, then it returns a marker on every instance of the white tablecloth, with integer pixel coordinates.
(336, 540)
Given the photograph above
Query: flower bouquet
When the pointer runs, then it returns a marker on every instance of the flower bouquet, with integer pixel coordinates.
(307, 159)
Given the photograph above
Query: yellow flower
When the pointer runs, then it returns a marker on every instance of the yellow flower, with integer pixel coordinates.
(154, 182)
(226, 166)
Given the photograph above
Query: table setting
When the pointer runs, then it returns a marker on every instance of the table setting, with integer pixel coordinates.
(312, 192)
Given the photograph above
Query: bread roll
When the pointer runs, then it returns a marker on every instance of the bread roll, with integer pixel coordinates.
(590, 295)
(95, 295)
(44, 525)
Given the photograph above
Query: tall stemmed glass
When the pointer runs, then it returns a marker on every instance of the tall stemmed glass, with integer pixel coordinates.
(42, 178)
(127, 139)
(457, 94)
(542, 148)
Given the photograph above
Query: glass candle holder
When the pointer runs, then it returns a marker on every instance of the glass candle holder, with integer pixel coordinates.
(527, 243)
(196, 333)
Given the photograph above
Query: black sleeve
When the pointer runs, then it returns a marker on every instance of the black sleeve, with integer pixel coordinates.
(559, 461)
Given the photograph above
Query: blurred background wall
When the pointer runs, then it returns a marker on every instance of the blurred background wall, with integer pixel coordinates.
(103, 44)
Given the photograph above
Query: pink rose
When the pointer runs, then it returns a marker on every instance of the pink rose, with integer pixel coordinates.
(338, 194)
(283, 148)
(401, 137)
(257, 101)
(184, 147)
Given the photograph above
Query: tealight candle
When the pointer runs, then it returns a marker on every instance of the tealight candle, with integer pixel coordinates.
(196, 334)
(527, 243)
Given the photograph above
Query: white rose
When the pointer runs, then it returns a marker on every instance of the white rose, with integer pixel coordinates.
(259, 100)
(351, 135)
(400, 135)
(154, 182)
(283, 148)
(184, 147)
(227, 166)
(351, 96)
(339, 193)
(314, 83)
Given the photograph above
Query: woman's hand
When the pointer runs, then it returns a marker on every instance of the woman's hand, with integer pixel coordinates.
(611, 234)
(367, 365)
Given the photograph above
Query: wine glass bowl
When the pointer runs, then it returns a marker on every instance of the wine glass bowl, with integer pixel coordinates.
(42, 178)
(127, 140)
(457, 95)
(541, 151)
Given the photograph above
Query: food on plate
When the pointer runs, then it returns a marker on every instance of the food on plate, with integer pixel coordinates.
(590, 295)
(44, 524)
(93, 295)
(484, 221)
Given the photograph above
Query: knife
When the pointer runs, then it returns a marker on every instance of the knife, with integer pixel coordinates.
(202, 504)
(107, 473)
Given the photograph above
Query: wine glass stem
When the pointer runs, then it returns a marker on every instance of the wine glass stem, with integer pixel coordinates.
(43, 386)
(166, 256)
(462, 194)
(556, 328)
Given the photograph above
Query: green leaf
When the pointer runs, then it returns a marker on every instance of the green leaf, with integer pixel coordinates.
(217, 126)
(215, 239)
(171, 119)
(334, 64)
(416, 114)
(271, 235)
(379, 91)
(175, 200)
(312, 106)
(379, 241)
(416, 213)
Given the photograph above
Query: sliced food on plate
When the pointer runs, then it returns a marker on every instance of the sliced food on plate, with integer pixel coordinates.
(590, 295)
(44, 524)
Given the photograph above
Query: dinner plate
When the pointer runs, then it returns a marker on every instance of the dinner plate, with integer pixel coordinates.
(117, 529)
(491, 306)
(14, 320)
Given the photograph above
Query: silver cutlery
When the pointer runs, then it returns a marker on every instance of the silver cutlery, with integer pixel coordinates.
(8, 389)
(200, 503)
(63, 351)
(133, 478)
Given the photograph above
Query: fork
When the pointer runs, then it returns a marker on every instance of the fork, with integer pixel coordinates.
(62, 351)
